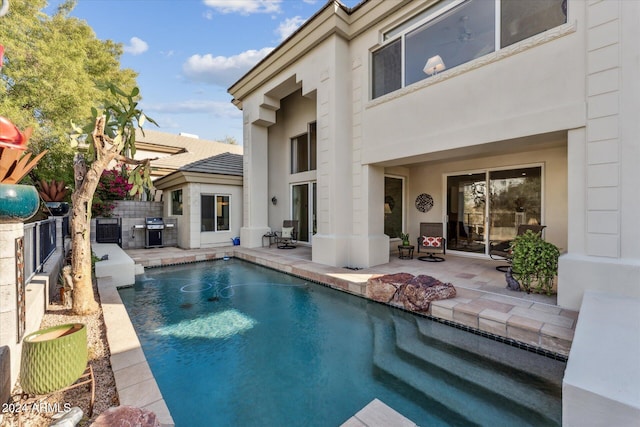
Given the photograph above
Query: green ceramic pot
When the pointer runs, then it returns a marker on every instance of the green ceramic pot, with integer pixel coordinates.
(53, 358)
(18, 202)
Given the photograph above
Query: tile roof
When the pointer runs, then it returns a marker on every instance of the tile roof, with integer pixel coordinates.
(194, 149)
(222, 164)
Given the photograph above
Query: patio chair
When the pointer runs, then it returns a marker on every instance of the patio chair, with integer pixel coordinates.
(431, 241)
(288, 236)
(501, 251)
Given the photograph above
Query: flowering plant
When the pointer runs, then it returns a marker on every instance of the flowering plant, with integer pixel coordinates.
(113, 185)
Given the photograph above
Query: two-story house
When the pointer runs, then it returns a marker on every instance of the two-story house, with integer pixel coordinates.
(479, 114)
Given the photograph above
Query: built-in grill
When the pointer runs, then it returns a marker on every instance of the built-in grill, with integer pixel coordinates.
(154, 226)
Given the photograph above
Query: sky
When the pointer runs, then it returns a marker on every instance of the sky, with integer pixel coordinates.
(188, 52)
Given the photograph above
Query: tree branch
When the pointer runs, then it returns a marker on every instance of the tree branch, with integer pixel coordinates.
(130, 161)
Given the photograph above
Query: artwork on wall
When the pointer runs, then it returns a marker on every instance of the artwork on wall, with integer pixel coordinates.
(424, 202)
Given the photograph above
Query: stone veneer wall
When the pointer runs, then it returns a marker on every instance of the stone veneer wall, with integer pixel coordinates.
(133, 213)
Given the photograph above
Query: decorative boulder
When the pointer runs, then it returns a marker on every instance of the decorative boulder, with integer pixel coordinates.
(417, 294)
(383, 288)
(123, 416)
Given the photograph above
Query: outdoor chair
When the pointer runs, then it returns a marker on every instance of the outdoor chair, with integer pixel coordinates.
(501, 250)
(288, 236)
(431, 241)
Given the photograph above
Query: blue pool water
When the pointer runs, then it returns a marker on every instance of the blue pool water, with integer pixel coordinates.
(235, 344)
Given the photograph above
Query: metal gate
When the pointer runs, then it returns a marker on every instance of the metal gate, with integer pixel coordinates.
(109, 230)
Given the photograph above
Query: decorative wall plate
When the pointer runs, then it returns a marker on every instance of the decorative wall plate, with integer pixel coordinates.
(424, 202)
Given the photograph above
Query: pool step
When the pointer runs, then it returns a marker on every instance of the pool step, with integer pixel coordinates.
(473, 403)
(539, 369)
(503, 384)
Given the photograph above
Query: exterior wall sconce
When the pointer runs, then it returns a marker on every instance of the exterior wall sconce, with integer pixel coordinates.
(274, 200)
(387, 209)
(434, 65)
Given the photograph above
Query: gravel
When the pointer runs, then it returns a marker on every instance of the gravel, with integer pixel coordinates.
(39, 410)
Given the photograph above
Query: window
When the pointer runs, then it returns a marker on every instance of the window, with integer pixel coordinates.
(214, 212)
(303, 151)
(176, 202)
(522, 19)
(393, 206)
(458, 31)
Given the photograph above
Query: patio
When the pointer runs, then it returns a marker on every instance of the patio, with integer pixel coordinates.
(482, 303)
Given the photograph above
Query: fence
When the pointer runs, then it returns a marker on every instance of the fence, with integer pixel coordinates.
(39, 244)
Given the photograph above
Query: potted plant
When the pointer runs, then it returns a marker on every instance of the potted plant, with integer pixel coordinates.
(534, 262)
(53, 193)
(405, 239)
(17, 202)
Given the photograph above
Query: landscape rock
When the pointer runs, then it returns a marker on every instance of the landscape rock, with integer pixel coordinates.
(383, 288)
(126, 416)
(407, 291)
(417, 294)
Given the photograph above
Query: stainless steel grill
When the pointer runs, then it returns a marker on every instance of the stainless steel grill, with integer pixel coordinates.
(153, 236)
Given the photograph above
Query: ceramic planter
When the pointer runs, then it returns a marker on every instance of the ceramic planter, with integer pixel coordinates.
(53, 358)
(18, 202)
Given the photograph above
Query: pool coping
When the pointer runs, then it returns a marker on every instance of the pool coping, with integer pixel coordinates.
(135, 383)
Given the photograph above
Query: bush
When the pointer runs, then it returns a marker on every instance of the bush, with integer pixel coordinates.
(535, 261)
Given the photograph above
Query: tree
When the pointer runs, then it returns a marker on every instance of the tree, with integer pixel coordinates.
(111, 137)
(229, 140)
(53, 68)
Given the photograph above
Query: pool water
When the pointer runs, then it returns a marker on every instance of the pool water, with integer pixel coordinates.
(231, 343)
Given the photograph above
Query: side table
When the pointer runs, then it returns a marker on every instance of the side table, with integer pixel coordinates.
(405, 252)
(270, 237)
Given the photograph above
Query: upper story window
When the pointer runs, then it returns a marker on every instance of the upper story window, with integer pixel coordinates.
(303, 151)
(454, 32)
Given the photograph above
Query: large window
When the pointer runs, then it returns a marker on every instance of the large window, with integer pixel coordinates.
(454, 32)
(303, 151)
(214, 212)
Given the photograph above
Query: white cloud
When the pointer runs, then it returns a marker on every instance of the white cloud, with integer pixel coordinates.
(244, 7)
(288, 26)
(208, 15)
(310, 1)
(136, 46)
(222, 70)
(216, 108)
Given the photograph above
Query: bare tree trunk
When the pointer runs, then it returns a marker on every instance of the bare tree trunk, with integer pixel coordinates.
(83, 299)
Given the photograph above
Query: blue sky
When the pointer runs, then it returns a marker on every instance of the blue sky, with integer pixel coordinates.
(188, 52)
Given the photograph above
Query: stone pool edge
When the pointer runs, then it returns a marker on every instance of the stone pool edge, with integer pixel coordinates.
(135, 383)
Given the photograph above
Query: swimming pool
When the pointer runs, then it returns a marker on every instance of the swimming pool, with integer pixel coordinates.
(234, 344)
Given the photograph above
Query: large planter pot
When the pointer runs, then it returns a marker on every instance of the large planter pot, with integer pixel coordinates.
(53, 358)
(18, 202)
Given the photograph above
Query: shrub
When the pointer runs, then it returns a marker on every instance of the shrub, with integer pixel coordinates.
(535, 261)
(113, 185)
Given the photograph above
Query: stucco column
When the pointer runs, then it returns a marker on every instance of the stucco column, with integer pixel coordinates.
(9, 232)
(334, 174)
(255, 181)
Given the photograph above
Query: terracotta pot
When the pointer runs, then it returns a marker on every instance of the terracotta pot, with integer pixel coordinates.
(18, 202)
(53, 358)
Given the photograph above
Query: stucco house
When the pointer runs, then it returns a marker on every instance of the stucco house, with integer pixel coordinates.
(205, 199)
(478, 114)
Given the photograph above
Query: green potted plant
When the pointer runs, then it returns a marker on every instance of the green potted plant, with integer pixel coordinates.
(405, 239)
(534, 262)
(18, 202)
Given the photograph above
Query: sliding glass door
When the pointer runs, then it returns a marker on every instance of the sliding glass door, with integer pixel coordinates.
(303, 205)
(487, 206)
